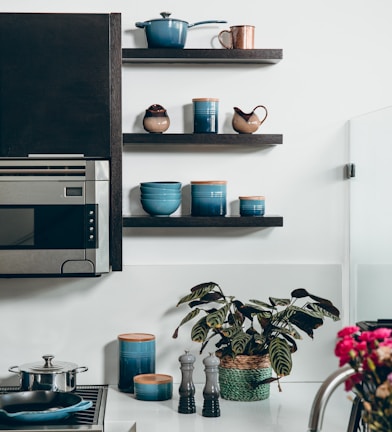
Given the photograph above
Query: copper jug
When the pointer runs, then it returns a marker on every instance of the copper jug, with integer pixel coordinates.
(156, 119)
(247, 123)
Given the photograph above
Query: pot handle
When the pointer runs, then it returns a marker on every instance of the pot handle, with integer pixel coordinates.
(207, 22)
(143, 24)
(14, 369)
(81, 369)
(265, 112)
(82, 405)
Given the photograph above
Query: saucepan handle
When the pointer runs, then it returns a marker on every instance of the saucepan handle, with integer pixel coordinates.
(207, 22)
(81, 369)
(82, 405)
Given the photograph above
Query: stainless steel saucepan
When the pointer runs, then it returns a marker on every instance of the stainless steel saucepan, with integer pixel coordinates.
(49, 375)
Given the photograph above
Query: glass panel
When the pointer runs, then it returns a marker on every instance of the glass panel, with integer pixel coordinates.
(43, 227)
(371, 216)
(16, 227)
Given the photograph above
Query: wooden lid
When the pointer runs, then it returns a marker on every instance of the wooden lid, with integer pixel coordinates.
(251, 197)
(205, 100)
(207, 182)
(136, 337)
(153, 379)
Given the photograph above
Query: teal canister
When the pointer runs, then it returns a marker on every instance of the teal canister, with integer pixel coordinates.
(205, 115)
(136, 356)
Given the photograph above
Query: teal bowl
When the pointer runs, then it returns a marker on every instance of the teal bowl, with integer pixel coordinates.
(160, 207)
(162, 184)
(146, 189)
(153, 387)
(161, 195)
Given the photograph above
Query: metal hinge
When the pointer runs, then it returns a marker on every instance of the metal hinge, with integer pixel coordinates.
(350, 170)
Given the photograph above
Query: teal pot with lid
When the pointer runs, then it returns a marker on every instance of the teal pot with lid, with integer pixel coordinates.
(167, 32)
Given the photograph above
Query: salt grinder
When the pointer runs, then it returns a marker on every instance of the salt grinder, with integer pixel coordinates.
(211, 388)
(187, 388)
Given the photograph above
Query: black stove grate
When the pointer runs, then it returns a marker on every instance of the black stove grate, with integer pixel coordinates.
(80, 420)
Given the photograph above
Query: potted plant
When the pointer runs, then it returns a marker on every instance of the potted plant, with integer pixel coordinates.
(252, 338)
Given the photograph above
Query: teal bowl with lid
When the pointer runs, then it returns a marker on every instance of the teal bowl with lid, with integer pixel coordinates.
(252, 205)
(153, 387)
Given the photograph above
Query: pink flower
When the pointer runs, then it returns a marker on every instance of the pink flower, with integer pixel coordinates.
(348, 331)
(382, 333)
(344, 347)
(377, 334)
(361, 347)
(366, 336)
(353, 381)
(389, 377)
(386, 343)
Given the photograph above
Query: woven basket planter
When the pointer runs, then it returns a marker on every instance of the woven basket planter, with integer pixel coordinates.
(237, 376)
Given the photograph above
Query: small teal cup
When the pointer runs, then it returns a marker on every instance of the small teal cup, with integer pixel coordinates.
(252, 205)
(136, 356)
(205, 115)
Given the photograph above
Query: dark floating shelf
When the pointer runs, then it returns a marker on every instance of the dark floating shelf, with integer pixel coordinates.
(202, 221)
(174, 55)
(199, 138)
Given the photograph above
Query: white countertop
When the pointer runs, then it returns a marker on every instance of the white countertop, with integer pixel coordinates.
(286, 411)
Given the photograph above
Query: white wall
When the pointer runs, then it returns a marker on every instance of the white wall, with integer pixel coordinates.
(336, 66)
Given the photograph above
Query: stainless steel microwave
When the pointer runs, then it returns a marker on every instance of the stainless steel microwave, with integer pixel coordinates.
(54, 217)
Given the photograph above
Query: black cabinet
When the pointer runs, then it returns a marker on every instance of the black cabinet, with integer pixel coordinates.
(55, 94)
(60, 93)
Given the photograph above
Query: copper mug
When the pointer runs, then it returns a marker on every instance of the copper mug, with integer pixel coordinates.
(238, 37)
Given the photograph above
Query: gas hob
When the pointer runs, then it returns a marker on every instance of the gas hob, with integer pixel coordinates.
(91, 419)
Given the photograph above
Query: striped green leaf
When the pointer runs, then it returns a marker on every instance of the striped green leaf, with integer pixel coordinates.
(325, 310)
(280, 356)
(229, 332)
(217, 318)
(200, 330)
(197, 293)
(239, 342)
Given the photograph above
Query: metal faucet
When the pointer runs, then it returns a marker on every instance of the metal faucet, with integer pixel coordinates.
(322, 396)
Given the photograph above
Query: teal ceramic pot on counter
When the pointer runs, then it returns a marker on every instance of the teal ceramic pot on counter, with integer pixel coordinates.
(136, 356)
(153, 387)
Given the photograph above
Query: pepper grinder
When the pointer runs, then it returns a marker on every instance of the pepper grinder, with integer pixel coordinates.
(187, 388)
(211, 389)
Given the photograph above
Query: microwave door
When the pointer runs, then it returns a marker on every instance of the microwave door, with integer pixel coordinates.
(16, 227)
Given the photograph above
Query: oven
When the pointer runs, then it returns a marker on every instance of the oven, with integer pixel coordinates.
(54, 217)
(91, 419)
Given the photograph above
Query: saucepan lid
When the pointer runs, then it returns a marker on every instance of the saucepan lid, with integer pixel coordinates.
(48, 365)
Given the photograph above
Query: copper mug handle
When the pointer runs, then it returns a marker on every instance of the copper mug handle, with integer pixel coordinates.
(229, 32)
